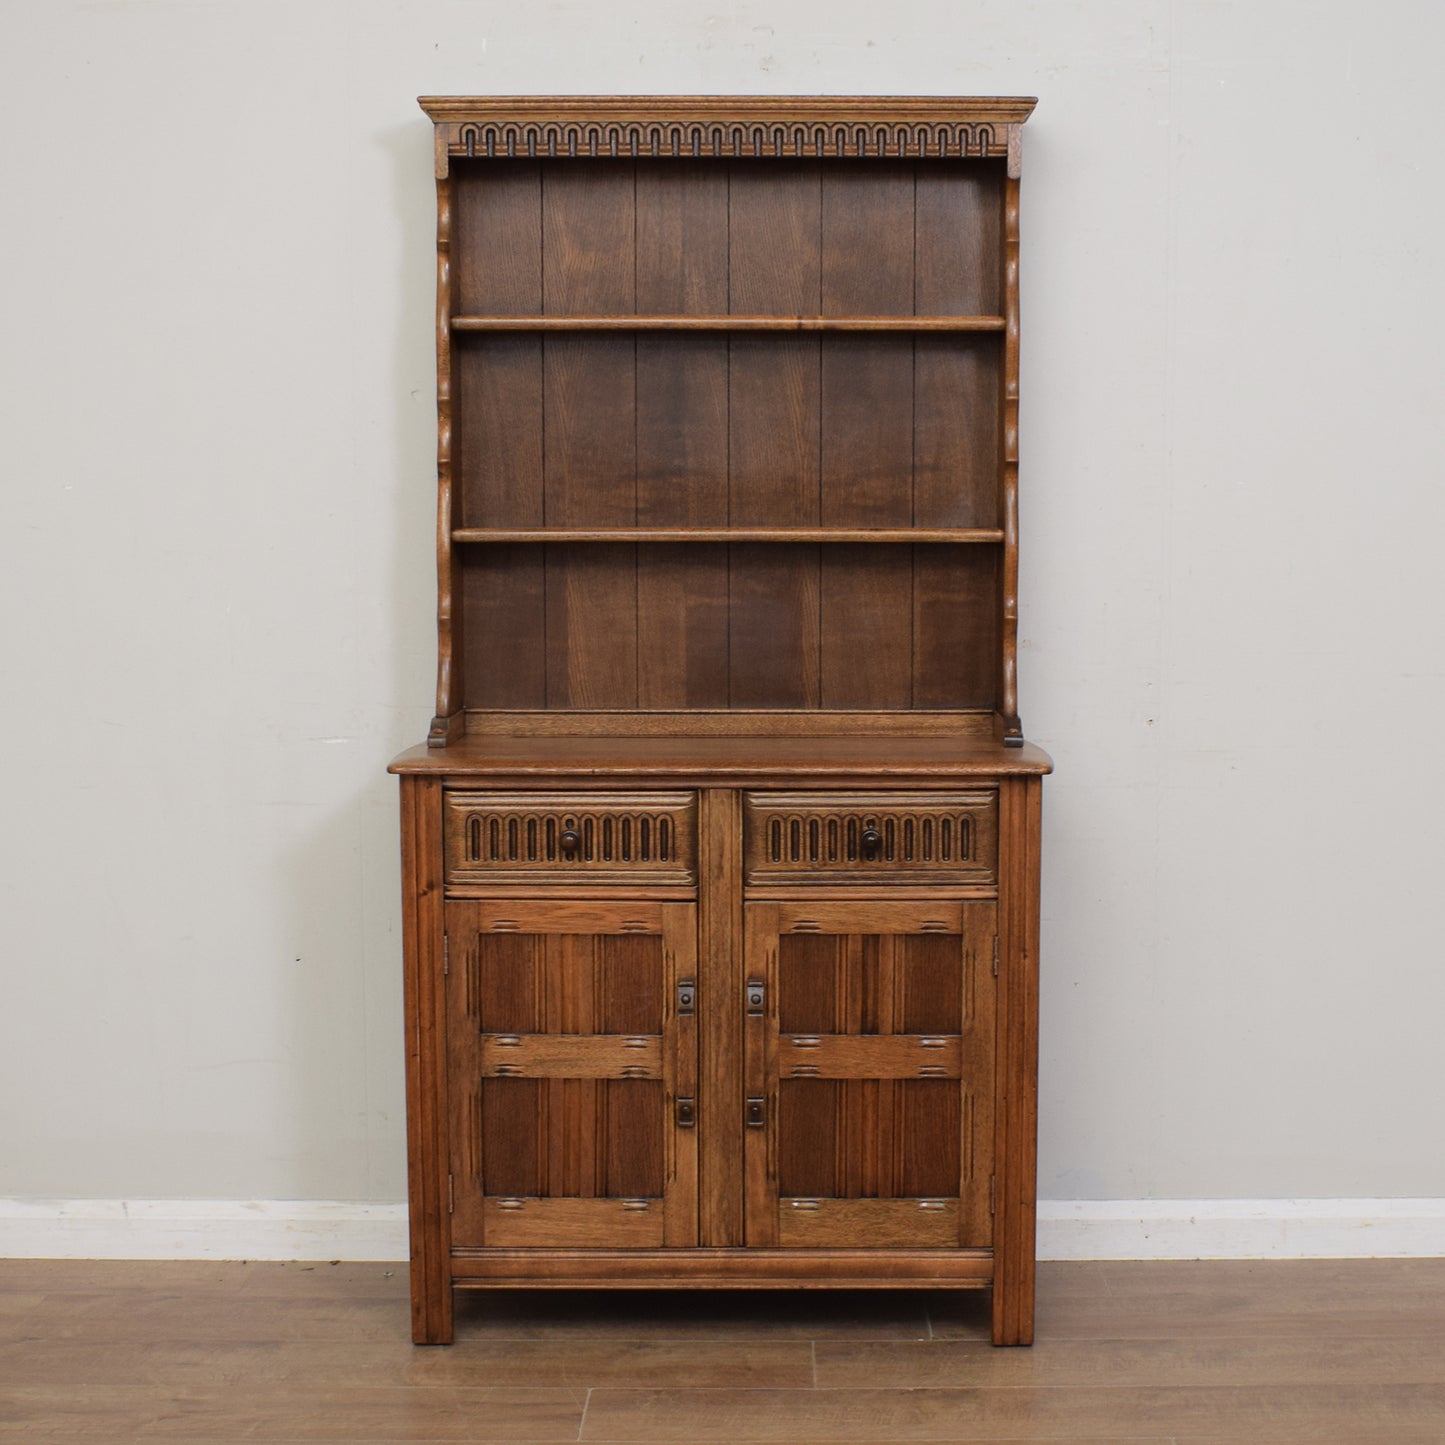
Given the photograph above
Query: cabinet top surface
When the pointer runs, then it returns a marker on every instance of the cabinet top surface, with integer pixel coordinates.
(1001, 109)
(724, 760)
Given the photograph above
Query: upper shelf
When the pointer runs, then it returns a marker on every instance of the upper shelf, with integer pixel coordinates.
(727, 323)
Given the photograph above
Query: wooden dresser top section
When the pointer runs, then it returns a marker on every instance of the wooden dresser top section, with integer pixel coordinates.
(724, 761)
(727, 126)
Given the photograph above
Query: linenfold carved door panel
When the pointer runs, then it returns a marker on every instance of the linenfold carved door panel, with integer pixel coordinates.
(869, 1040)
(572, 1079)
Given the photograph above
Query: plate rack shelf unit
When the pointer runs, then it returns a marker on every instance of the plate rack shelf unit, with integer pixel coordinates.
(721, 857)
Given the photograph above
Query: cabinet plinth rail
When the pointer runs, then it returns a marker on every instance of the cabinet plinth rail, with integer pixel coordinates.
(728, 323)
(894, 535)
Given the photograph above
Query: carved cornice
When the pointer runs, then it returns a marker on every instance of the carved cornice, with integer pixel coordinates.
(727, 127)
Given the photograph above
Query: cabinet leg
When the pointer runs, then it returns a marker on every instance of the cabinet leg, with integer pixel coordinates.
(431, 1307)
(1018, 1059)
(426, 1097)
(1013, 1308)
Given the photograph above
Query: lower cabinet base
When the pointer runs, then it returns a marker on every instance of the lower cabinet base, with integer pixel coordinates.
(1012, 1322)
(826, 1075)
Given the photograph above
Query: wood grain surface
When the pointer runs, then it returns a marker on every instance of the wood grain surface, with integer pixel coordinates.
(713, 354)
(727, 496)
(726, 759)
(1287, 1352)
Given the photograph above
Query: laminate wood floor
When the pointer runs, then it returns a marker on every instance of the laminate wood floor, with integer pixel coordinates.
(1292, 1351)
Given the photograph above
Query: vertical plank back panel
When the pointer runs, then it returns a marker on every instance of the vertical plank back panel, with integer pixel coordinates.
(867, 381)
(775, 268)
(497, 223)
(497, 218)
(866, 595)
(682, 380)
(588, 216)
(682, 435)
(959, 271)
(867, 627)
(591, 625)
(498, 448)
(773, 637)
(504, 656)
(682, 625)
(588, 226)
(611, 429)
(955, 627)
(956, 437)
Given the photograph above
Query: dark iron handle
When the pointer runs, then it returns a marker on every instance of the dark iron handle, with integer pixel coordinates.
(569, 840)
(871, 841)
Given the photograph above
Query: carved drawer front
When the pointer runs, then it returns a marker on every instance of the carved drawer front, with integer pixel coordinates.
(901, 837)
(575, 838)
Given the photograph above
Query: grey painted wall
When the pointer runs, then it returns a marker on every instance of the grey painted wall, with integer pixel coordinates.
(216, 378)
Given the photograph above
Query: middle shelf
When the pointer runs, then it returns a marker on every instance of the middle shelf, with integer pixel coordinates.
(892, 535)
(727, 322)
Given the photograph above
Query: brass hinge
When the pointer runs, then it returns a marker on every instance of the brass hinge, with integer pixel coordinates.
(995, 955)
(447, 954)
(992, 1192)
(451, 1195)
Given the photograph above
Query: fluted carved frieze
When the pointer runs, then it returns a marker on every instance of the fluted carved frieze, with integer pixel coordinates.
(694, 127)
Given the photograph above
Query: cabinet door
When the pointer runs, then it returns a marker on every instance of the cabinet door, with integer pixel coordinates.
(572, 1074)
(869, 1039)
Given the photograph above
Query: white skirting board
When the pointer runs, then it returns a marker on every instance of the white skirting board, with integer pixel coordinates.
(1241, 1228)
(201, 1229)
(1068, 1229)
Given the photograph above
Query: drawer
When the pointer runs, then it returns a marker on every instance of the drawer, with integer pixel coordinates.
(846, 837)
(573, 838)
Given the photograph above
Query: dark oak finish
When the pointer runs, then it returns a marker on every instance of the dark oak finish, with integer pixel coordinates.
(570, 1050)
(860, 837)
(616, 837)
(721, 860)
